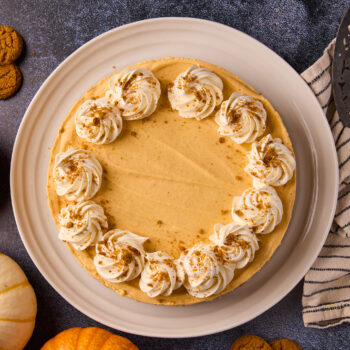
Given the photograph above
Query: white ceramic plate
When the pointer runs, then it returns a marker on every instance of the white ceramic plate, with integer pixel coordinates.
(317, 173)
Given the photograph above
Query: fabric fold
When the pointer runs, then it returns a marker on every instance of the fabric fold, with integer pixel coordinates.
(326, 296)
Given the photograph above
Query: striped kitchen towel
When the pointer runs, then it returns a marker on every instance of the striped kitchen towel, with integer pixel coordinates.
(326, 296)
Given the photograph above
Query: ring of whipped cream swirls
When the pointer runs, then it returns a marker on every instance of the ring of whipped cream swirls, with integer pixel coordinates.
(205, 269)
(82, 224)
(195, 93)
(135, 92)
(242, 118)
(98, 121)
(270, 162)
(78, 174)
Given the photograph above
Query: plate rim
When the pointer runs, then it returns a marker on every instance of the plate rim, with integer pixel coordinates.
(16, 150)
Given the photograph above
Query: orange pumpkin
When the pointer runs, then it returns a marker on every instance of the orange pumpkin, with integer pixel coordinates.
(91, 338)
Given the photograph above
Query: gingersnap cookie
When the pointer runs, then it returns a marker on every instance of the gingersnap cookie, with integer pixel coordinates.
(284, 344)
(11, 45)
(250, 342)
(10, 80)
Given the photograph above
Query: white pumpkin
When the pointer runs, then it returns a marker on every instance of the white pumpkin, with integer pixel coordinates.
(17, 306)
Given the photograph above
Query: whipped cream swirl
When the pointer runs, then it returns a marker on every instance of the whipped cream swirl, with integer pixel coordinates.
(195, 93)
(161, 275)
(258, 208)
(205, 274)
(242, 118)
(82, 224)
(270, 162)
(98, 121)
(235, 244)
(78, 174)
(120, 257)
(135, 91)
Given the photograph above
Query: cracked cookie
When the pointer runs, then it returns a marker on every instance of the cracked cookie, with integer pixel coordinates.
(11, 45)
(250, 342)
(10, 80)
(284, 344)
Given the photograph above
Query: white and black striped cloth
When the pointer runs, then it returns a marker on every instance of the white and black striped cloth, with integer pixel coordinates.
(326, 296)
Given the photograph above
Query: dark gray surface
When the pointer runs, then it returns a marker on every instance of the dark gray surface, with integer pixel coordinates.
(296, 30)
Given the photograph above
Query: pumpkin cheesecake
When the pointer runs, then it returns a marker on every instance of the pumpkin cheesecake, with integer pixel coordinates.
(172, 181)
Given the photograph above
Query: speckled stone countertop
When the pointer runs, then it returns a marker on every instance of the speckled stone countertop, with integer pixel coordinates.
(298, 30)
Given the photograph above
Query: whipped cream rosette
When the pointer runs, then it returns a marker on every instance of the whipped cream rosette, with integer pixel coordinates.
(195, 93)
(78, 174)
(98, 121)
(120, 257)
(242, 118)
(82, 224)
(235, 244)
(205, 274)
(270, 162)
(258, 208)
(135, 91)
(161, 275)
